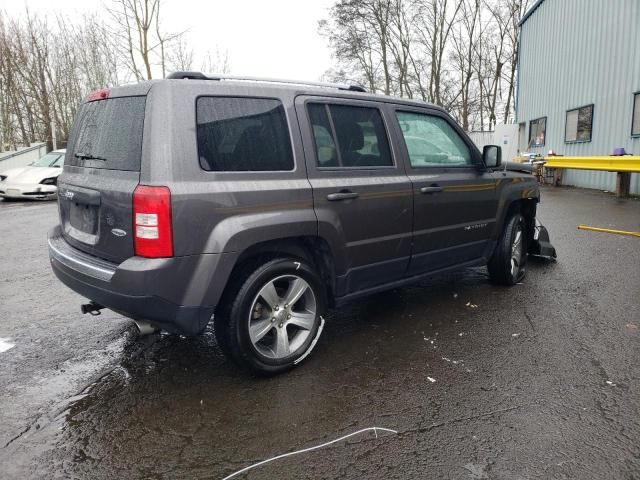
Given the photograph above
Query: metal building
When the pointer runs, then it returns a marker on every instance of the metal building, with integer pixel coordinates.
(578, 88)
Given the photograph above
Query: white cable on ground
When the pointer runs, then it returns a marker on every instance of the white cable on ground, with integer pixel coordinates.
(375, 430)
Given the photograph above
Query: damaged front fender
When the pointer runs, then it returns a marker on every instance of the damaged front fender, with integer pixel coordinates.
(541, 245)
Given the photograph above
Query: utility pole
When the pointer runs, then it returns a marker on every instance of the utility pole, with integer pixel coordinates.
(53, 134)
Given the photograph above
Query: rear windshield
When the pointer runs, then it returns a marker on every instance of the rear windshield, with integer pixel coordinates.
(243, 134)
(108, 134)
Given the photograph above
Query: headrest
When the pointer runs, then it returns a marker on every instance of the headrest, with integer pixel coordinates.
(350, 135)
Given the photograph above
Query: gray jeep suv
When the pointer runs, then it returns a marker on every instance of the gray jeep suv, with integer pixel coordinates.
(260, 204)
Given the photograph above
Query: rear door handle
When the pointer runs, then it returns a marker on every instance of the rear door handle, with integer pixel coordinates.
(336, 197)
(431, 189)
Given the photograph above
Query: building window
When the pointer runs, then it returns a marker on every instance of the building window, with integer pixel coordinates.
(537, 132)
(579, 125)
(635, 122)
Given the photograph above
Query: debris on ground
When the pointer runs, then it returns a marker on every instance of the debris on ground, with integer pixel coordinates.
(431, 379)
(610, 383)
(471, 305)
(453, 362)
(375, 430)
(5, 344)
(515, 335)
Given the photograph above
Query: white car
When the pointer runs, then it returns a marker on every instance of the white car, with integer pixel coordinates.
(38, 180)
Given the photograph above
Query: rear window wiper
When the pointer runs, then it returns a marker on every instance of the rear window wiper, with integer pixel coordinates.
(88, 156)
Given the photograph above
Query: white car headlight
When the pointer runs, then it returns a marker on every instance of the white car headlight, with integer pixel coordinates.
(50, 181)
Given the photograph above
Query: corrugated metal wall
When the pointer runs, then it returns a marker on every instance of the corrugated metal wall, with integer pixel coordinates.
(575, 53)
(598, 180)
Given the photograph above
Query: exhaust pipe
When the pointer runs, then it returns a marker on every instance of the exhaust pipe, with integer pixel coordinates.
(145, 328)
(91, 308)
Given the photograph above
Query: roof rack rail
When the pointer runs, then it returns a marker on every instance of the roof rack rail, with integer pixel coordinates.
(187, 75)
(202, 76)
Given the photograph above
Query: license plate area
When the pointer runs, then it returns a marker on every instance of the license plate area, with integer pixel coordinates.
(84, 218)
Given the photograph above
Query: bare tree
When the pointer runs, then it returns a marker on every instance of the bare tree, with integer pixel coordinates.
(439, 17)
(45, 71)
(402, 29)
(181, 57)
(347, 31)
(216, 62)
(516, 9)
(461, 54)
(464, 39)
(140, 38)
(48, 65)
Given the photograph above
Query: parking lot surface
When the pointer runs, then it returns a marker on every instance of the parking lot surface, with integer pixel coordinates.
(541, 380)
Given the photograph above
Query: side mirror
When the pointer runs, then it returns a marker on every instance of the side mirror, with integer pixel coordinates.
(492, 156)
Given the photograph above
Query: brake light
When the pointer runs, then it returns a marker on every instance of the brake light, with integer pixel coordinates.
(153, 236)
(98, 95)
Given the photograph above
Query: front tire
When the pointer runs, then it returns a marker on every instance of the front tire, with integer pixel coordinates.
(508, 262)
(271, 320)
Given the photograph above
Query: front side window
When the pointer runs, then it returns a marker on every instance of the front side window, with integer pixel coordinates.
(635, 122)
(432, 142)
(579, 124)
(239, 134)
(348, 136)
(537, 132)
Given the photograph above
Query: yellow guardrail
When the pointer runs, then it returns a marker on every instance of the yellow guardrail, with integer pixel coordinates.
(608, 164)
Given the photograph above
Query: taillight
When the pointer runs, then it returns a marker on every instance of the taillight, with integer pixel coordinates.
(152, 222)
(98, 95)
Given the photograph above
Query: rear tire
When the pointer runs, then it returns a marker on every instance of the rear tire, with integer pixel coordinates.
(509, 259)
(271, 317)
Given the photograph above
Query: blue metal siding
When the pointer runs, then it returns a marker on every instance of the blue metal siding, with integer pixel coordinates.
(575, 53)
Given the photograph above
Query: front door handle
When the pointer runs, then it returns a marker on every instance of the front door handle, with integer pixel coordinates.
(336, 197)
(431, 189)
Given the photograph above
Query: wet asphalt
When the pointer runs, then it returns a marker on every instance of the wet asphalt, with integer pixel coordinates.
(541, 380)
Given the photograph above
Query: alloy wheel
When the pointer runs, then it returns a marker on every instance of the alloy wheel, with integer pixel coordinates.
(282, 317)
(516, 252)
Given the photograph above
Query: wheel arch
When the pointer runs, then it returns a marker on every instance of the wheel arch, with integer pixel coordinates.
(312, 249)
(527, 208)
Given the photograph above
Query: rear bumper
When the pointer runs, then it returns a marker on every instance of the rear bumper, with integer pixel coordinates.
(177, 294)
(35, 191)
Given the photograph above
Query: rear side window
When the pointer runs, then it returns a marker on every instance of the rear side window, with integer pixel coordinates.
(108, 134)
(243, 134)
(349, 136)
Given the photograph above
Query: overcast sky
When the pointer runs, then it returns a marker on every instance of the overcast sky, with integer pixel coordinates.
(274, 38)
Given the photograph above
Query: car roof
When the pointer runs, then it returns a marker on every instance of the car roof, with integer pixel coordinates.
(231, 85)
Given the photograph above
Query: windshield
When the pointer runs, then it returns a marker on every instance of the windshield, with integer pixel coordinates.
(50, 160)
